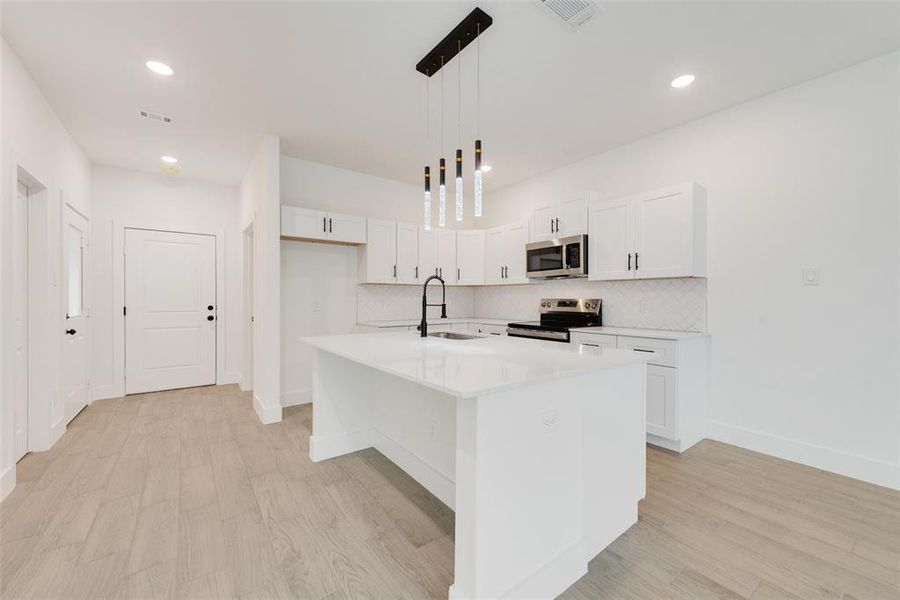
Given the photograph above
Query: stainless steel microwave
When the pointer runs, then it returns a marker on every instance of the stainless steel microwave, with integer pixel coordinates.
(563, 257)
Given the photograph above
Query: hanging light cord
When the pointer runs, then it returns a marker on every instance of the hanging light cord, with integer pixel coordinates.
(442, 105)
(458, 94)
(425, 140)
(478, 80)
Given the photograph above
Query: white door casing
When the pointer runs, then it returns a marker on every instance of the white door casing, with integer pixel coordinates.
(20, 321)
(170, 302)
(76, 337)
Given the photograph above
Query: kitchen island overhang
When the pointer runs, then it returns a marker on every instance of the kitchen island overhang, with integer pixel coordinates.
(538, 447)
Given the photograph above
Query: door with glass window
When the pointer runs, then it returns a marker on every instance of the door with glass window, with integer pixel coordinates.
(76, 343)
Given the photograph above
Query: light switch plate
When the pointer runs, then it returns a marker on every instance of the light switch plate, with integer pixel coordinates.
(810, 276)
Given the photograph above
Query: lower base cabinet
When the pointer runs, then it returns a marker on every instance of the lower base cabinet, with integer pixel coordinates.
(677, 382)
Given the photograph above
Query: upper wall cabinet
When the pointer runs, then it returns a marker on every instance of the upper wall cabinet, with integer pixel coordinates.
(407, 253)
(504, 254)
(650, 235)
(561, 217)
(317, 225)
(437, 254)
(378, 258)
(470, 257)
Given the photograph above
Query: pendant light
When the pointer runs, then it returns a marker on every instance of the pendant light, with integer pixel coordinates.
(442, 190)
(426, 206)
(459, 180)
(477, 178)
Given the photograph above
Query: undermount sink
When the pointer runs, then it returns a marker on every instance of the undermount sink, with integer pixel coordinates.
(452, 335)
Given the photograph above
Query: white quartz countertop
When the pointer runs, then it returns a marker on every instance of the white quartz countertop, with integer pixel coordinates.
(468, 368)
(659, 334)
(434, 321)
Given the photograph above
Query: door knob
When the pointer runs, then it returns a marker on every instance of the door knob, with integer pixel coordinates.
(210, 307)
(210, 318)
(71, 332)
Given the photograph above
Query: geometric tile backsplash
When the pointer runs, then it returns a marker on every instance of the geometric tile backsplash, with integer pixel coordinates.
(673, 304)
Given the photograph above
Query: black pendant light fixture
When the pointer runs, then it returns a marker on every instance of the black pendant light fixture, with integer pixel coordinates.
(426, 207)
(467, 31)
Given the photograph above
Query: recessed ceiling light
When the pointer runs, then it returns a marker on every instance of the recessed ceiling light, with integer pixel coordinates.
(682, 81)
(158, 67)
(486, 168)
(168, 159)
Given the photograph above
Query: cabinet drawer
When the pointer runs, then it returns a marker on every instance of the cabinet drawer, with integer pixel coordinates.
(659, 352)
(599, 340)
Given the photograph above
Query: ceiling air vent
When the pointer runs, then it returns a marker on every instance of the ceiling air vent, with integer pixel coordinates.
(573, 13)
(158, 117)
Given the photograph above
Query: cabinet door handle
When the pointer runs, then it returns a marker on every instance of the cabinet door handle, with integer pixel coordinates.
(644, 350)
(324, 229)
(629, 261)
(435, 271)
(441, 272)
(417, 271)
(329, 225)
(395, 271)
(551, 225)
(636, 267)
(591, 345)
(557, 224)
(71, 332)
(457, 274)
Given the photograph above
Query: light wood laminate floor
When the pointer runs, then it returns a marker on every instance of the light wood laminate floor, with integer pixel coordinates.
(185, 494)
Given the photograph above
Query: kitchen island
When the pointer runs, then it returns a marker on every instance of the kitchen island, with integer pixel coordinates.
(539, 447)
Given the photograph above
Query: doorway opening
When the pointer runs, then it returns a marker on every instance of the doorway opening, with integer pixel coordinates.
(247, 376)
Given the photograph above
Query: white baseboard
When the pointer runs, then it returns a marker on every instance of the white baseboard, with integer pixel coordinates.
(266, 414)
(851, 465)
(229, 378)
(102, 392)
(297, 397)
(7, 481)
(57, 431)
(323, 448)
(431, 479)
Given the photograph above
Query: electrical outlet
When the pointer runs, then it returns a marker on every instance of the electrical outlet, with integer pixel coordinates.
(549, 421)
(810, 276)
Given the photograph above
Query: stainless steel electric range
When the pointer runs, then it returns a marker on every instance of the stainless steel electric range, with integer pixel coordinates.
(558, 316)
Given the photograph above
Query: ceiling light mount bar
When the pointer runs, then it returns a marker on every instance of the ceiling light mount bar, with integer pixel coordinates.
(461, 36)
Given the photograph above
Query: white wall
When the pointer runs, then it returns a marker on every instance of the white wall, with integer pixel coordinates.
(323, 187)
(34, 139)
(260, 204)
(805, 177)
(124, 198)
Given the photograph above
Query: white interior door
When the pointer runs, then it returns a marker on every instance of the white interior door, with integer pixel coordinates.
(20, 321)
(76, 343)
(170, 303)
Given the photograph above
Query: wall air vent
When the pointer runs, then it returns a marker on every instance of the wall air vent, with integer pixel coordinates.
(158, 117)
(573, 13)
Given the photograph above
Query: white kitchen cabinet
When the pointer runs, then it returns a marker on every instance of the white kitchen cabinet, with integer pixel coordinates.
(428, 262)
(662, 402)
(677, 383)
(378, 258)
(470, 257)
(348, 229)
(317, 225)
(504, 254)
(593, 340)
(560, 217)
(610, 241)
(446, 255)
(407, 253)
(650, 235)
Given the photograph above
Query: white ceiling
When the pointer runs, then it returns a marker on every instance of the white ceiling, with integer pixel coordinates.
(336, 80)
